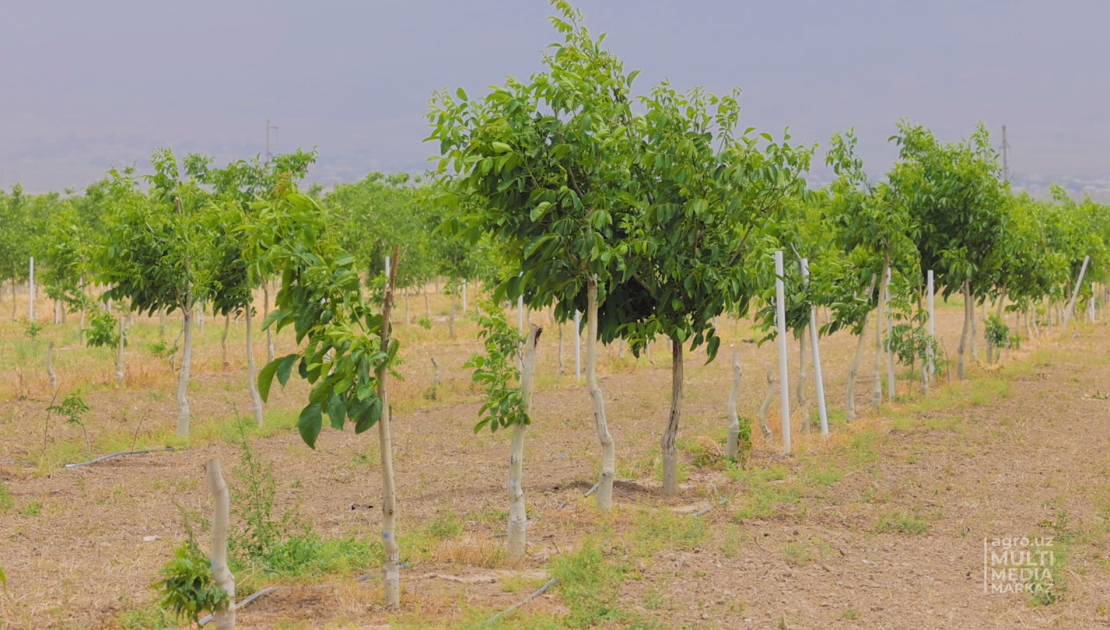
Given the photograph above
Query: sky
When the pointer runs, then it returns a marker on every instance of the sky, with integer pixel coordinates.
(89, 85)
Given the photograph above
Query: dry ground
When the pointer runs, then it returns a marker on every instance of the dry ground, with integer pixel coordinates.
(880, 526)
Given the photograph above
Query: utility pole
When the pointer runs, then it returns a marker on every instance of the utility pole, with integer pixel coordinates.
(1005, 156)
(270, 155)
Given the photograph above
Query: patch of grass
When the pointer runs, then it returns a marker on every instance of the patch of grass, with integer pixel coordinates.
(849, 614)
(445, 525)
(588, 583)
(823, 476)
(1049, 586)
(797, 554)
(32, 509)
(149, 616)
(901, 522)
(764, 492)
(6, 500)
(663, 528)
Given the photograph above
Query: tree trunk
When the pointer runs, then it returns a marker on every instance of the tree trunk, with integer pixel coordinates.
(854, 372)
(223, 339)
(562, 364)
(767, 405)
(252, 386)
(408, 318)
(82, 327)
(225, 615)
(670, 462)
(800, 393)
(518, 516)
(732, 447)
(161, 323)
(451, 318)
(266, 313)
(969, 315)
(876, 379)
(183, 376)
(50, 369)
(14, 318)
(119, 352)
(200, 317)
(890, 383)
(608, 450)
(974, 339)
(427, 306)
(391, 571)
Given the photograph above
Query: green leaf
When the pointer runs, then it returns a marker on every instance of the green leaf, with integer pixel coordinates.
(271, 317)
(266, 379)
(337, 411)
(461, 94)
(310, 423)
(369, 416)
(284, 368)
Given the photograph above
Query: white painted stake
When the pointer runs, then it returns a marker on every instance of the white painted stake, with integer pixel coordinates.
(822, 412)
(31, 292)
(464, 296)
(520, 313)
(932, 323)
(784, 368)
(889, 336)
(1078, 283)
(387, 268)
(577, 346)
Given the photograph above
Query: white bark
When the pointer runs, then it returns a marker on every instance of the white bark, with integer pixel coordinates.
(223, 339)
(814, 334)
(1071, 303)
(732, 447)
(931, 292)
(183, 377)
(969, 315)
(608, 450)
(800, 394)
(50, 369)
(784, 368)
(854, 371)
(577, 346)
(562, 365)
(225, 616)
(252, 386)
(265, 313)
(391, 569)
(889, 336)
(518, 516)
(119, 351)
(31, 292)
(767, 405)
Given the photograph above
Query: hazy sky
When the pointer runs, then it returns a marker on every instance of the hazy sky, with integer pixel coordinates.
(85, 85)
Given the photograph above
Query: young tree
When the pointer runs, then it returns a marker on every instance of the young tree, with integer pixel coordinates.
(15, 239)
(700, 191)
(158, 250)
(954, 195)
(873, 226)
(348, 347)
(235, 272)
(508, 402)
(541, 167)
